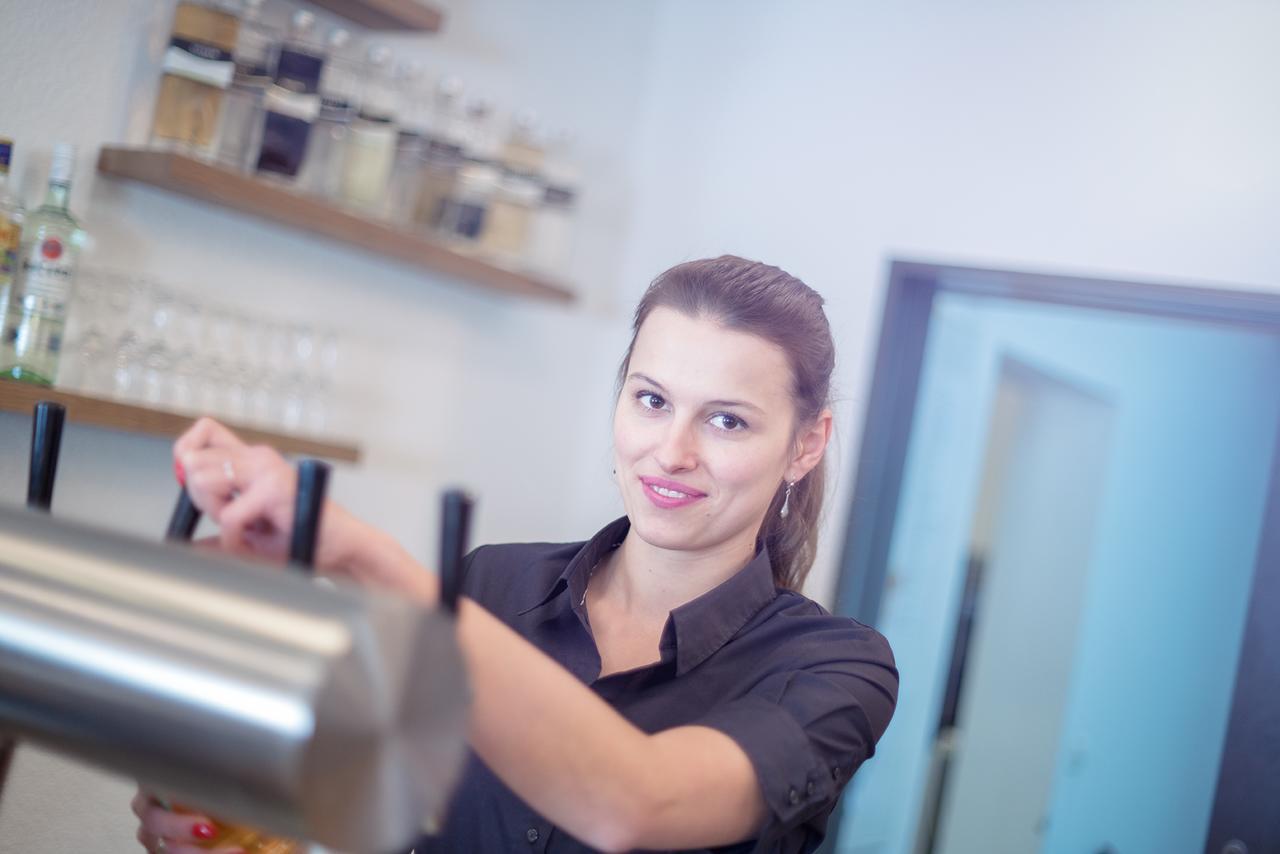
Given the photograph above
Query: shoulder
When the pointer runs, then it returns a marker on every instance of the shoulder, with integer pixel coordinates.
(798, 635)
(511, 576)
(814, 632)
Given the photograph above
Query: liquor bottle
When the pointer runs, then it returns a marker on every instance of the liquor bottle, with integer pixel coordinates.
(411, 144)
(371, 145)
(339, 84)
(11, 217)
(443, 156)
(292, 102)
(31, 340)
(464, 213)
(518, 193)
(255, 64)
(552, 233)
(198, 68)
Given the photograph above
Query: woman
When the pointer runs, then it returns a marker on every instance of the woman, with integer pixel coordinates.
(663, 685)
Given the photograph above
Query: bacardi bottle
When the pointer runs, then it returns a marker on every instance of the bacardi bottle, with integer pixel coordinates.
(31, 336)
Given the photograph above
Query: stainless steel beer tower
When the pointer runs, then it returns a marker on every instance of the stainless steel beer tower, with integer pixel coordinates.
(330, 713)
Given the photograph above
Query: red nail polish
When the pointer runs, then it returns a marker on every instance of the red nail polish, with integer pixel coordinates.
(202, 830)
(180, 473)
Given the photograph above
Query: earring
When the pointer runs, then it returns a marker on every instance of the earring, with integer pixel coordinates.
(786, 501)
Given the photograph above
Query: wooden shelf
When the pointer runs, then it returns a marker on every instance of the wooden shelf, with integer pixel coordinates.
(83, 409)
(206, 182)
(386, 14)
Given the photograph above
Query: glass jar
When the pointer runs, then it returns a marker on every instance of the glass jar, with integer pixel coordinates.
(464, 211)
(371, 141)
(339, 84)
(505, 233)
(198, 68)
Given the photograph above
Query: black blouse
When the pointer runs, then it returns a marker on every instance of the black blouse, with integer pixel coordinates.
(804, 693)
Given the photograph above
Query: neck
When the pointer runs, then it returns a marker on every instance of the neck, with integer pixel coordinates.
(56, 197)
(650, 582)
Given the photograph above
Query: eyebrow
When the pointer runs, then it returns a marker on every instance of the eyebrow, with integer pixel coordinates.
(657, 385)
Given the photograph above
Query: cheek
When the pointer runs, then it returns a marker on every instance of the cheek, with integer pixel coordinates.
(628, 437)
(746, 469)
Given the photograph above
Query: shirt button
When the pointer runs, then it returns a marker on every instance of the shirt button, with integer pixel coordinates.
(808, 790)
(794, 797)
(835, 773)
(531, 834)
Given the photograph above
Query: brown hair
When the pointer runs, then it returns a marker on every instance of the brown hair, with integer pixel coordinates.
(748, 296)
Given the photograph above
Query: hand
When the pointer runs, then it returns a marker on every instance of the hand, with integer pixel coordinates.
(247, 490)
(162, 831)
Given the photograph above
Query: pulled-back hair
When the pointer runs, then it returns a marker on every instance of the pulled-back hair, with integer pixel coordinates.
(751, 297)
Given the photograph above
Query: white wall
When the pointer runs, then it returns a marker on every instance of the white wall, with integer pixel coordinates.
(441, 383)
(1137, 139)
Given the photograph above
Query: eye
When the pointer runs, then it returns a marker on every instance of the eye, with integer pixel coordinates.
(649, 400)
(727, 422)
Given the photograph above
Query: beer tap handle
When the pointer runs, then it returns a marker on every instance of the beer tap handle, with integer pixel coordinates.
(454, 529)
(313, 480)
(46, 440)
(182, 524)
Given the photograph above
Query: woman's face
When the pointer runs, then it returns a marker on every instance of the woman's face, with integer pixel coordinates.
(704, 433)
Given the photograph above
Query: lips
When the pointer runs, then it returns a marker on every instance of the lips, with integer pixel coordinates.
(669, 494)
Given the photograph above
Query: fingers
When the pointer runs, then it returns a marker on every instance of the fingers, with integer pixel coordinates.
(216, 474)
(205, 433)
(174, 827)
(212, 474)
(259, 513)
(162, 830)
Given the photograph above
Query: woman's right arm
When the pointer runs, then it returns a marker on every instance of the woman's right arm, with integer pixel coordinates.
(248, 490)
(618, 788)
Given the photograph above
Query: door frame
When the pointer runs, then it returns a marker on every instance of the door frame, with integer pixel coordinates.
(1249, 775)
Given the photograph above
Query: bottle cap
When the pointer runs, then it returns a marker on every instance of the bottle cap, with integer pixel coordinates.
(64, 158)
(302, 22)
(338, 39)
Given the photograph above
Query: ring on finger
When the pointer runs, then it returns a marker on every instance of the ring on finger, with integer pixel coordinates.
(162, 845)
(230, 471)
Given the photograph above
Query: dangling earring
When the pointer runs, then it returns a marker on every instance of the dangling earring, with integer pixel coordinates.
(786, 501)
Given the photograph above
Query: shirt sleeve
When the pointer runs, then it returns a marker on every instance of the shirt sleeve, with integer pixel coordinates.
(807, 729)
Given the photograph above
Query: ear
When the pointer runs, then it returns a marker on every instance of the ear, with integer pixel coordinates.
(811, 444)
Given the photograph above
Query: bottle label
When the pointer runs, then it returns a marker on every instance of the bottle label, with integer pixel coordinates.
(202, 63)
(6, 152)
(10, 234)
(299, 71)
(295, 105)
(47, 270)
(563, 196)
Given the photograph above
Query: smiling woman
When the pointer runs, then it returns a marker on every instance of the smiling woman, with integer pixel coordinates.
(663, 685)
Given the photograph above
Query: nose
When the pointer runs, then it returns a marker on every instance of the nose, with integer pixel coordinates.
(678, 449)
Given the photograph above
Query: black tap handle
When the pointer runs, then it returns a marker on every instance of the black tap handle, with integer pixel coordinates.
(46, 440)
(182, 524)
(454, 529)
(313, 479)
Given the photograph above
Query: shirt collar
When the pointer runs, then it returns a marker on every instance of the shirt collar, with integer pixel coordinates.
(702, 625)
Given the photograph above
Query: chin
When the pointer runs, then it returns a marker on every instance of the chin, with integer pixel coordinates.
(661, 531)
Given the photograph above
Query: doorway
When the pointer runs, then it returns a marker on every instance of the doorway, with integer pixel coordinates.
(1060, 517)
